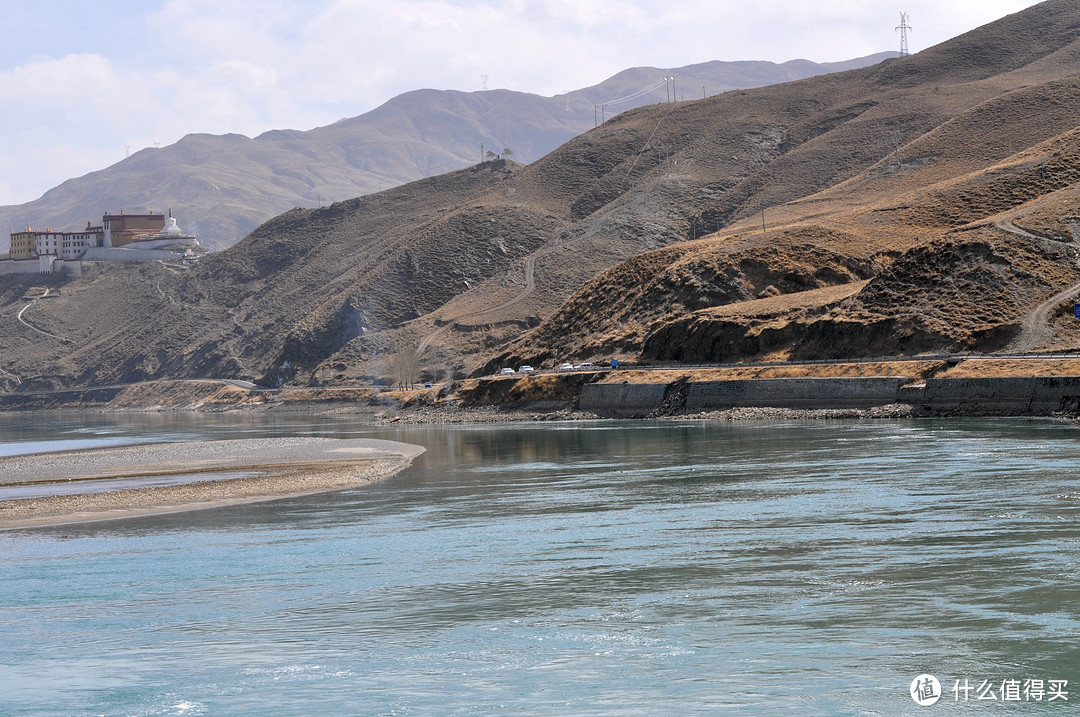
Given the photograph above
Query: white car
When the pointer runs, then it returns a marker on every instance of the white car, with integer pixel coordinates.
(526, 369)
(585, 366)
(566, 367)
(507, 372)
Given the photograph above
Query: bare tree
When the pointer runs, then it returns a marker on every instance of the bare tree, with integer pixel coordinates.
(405, 369)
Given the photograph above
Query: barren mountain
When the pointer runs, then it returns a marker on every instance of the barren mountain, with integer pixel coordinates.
(925, 203)
(222, 187)
(963, 227)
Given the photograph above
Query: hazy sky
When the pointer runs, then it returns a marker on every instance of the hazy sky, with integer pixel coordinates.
(84, 82)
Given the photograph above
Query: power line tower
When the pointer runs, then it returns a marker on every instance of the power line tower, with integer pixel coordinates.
(903, 27)
(484, 78)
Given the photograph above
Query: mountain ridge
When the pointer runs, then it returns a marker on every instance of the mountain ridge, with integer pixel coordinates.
(223, 186)
(889, 209)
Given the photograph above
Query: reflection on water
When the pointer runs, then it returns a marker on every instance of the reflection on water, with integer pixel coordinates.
(585, 568)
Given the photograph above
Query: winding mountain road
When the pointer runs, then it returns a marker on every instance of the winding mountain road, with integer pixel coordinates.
(30, 326)
(1035, 329)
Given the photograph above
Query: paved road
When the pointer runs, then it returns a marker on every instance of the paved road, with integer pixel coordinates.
(955, 358)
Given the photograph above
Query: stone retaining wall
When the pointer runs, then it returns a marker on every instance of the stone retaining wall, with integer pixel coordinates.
(622, 400)
(1034, 396)
(1027, 395)
(105, 253)
(19, 266)
(795, 393)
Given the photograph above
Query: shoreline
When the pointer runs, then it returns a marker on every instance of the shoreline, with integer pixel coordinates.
(280, 468)
(927, 386)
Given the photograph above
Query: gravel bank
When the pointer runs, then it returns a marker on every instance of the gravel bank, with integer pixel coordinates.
(753, 413)
(277, 468)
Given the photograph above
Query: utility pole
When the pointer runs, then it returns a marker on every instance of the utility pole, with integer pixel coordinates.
(669, 85)
(892, 141)
(903, 27)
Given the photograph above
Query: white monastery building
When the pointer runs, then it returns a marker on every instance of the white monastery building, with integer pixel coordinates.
(119, 237)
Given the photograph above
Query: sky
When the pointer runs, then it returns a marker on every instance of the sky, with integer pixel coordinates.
(85, 83)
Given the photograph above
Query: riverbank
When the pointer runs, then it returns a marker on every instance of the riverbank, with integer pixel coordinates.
(972, 386)
(271, 469)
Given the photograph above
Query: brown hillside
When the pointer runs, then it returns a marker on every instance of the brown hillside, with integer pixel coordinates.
(1008, 152)
(921, 204)
(223, 186)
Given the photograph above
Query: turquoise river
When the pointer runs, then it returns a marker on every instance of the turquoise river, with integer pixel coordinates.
(579, 568)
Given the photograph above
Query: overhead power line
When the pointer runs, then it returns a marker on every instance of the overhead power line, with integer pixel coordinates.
(602, 106)
(639, 93)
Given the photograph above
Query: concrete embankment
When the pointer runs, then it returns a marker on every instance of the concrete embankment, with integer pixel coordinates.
(1028, 395)
(634, 393)
(1019, 396)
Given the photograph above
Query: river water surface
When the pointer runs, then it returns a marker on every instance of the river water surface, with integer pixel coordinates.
(599, 568)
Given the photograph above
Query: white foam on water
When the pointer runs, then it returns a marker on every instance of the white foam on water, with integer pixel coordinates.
(187, 707)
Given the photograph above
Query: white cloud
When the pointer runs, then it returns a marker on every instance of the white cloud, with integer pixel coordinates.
(59, 83)
(247, 66)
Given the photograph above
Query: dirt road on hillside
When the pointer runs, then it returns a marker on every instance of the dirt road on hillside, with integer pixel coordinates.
(1035, 329)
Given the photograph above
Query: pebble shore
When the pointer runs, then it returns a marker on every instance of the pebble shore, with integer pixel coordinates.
(274, 468)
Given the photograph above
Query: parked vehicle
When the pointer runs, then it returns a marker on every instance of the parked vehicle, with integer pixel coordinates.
(566, 367)
(526, 369)
(585, 366)
(507, 372)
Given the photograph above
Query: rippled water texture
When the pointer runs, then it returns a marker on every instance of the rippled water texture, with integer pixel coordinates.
(570, 569)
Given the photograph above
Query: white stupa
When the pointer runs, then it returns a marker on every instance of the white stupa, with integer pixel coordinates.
(171, 230)
(170, 236)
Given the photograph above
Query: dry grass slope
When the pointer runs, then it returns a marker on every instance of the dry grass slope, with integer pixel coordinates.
(926, 203)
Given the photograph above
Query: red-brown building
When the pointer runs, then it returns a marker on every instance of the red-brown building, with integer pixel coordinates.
(121, 229)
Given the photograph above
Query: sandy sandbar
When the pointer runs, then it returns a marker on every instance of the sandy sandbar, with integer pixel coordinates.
(274, 468)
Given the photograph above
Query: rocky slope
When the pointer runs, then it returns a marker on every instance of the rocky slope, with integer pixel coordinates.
(926, 203)
(982, 142)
